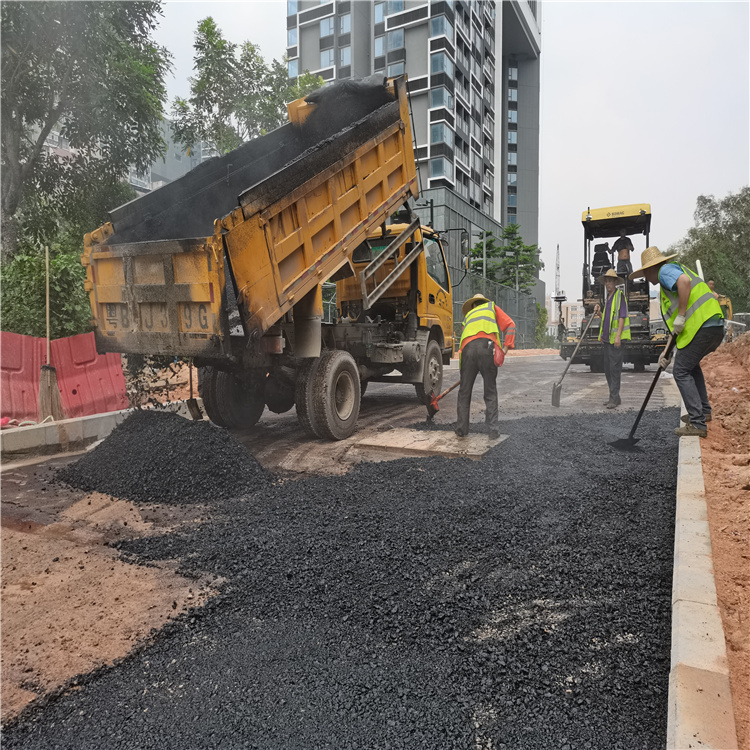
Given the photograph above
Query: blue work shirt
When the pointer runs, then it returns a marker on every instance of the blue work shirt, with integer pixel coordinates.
(668, 275)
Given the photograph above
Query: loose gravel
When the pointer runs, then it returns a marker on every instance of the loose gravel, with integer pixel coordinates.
(521, 602)
(159, 457)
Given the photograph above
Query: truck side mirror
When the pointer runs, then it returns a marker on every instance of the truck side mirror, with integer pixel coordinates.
(465, 243)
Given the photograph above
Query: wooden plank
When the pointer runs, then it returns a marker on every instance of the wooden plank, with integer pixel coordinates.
(446, 443)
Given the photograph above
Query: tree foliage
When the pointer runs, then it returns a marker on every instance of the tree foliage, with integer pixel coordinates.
(89, 71)
(720, 239)
(235, 95)
(506, 254)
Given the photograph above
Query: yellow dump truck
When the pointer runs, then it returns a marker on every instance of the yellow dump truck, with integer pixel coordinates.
(225, 265)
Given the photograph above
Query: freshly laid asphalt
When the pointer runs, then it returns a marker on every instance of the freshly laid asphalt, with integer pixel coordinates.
(522, 601)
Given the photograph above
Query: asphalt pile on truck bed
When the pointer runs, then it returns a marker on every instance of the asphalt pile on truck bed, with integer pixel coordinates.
(520, 602)
(159, 457)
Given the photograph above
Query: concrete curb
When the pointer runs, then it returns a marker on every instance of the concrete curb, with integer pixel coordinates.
(70, 434)
(700, 712)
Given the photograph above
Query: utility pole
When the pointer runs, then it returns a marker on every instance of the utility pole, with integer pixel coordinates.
(484, 254)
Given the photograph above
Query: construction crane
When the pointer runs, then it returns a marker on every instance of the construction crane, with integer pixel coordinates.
(559, 298)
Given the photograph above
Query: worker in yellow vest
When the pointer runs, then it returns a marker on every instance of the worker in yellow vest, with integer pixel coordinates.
(483, 321)
(615, 329)
(692, 313)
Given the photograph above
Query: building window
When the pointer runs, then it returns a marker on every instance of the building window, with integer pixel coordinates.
(441, 133)
(293, 68)
(379, 12)
(512, 95)
(379, 46)
(345, 24)
(512, 115)
(512, 179)
(512, 136)
(511, 216)
(291, 7)
(345, 56)
(441, 167)
(397, 69)
(395, 6)
(513, 200)
(440, 26)
(441, 63)
(395, 39)
(441, 97)
(326, 27)
(291, 37)
(512, 73)
(512, 157)
(326, 58)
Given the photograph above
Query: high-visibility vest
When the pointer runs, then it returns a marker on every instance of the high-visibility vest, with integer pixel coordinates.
(481, 319)
(702, 305)
(614, 320)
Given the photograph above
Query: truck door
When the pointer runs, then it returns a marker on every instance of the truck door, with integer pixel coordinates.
(436, 305)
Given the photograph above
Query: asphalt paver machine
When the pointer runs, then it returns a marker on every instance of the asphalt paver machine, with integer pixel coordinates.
(602, 227)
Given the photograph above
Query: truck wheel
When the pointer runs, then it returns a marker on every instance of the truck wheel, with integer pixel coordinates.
(639, 366)
(240, 403)
(432, 375)
(304, 397)
(278, 395)
(337, 395)
(207, 391)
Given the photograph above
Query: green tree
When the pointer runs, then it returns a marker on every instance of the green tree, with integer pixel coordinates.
(519, 262)
(720, 239)
(494, 252)
(235, 95)
(91, 72)
(540, 330)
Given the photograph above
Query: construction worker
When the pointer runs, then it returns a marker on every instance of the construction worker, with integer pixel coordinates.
(693, 315)
(615, 329)
(483, 321)
(623, 247)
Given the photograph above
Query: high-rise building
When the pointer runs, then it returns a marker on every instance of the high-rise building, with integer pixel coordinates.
(473, 73)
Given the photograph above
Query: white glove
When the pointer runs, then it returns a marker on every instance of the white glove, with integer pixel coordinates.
(679, 324)
(664, 361)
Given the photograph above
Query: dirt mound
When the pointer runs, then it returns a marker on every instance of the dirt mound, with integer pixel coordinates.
(160, 457)
(725, 455)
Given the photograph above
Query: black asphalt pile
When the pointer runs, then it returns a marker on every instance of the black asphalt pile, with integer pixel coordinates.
(522, 601)
(159, 457)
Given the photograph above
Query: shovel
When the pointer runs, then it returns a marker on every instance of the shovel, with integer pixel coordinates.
(192, 403)
(557, 387)
(432, 406)
(628, 443)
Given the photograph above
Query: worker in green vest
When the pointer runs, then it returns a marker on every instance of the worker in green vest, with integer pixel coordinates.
(615, 329)
(693, 315)
(481, 352)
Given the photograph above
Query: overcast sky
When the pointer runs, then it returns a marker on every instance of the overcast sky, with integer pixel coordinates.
(641, 102)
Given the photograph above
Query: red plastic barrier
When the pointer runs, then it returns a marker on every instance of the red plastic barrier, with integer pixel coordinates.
(89, 383)
(21, 358)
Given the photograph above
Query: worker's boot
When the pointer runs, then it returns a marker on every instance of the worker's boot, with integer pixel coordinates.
(686, 418)
(690, 430)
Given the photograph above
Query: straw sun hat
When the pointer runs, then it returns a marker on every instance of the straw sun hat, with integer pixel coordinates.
(650, 257)
(611, 275)
(473, 301)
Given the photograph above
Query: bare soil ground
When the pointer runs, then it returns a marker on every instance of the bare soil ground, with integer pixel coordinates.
(70, 602)
(726, 473)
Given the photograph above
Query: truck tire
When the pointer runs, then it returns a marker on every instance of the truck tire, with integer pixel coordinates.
(639, 366)
(240, 403)
(228, 401)
(304, 397)
(207, 392)
(278, 395)
(432, 375)
(337, 395)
